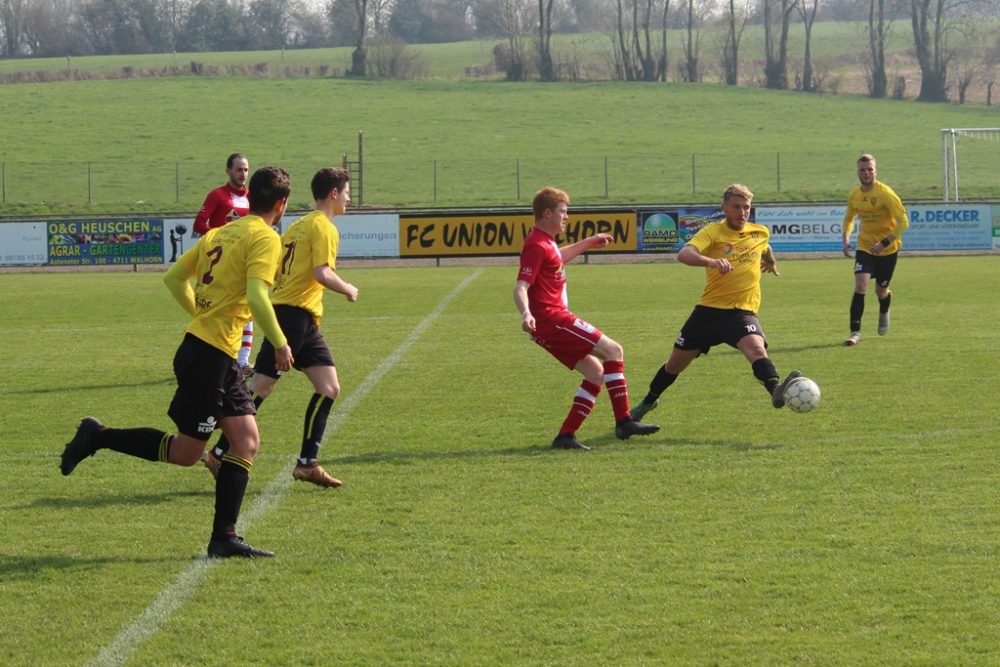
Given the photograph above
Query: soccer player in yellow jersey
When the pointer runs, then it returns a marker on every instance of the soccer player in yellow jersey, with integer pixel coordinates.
(308, 265)
(880, 236)
(232, 267)
(734, 252)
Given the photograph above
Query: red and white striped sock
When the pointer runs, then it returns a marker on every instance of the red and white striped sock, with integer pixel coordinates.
(583, 403)
(244, 355)
(614, 380)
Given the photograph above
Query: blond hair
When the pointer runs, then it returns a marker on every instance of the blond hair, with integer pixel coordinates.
(737, 190)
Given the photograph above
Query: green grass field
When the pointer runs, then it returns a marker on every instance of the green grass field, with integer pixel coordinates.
(160, 144)
(865, 532)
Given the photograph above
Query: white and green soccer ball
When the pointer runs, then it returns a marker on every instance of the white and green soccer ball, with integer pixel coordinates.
(802, 395)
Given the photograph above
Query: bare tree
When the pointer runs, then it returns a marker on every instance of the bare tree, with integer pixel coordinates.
(636, 57)
(940, 28)
(693, 18)
(359, 56)
(777, 17)
(513, 17)
(12, 19)
(878, 81)
(808, 15)
(736, 21)
(546, 67)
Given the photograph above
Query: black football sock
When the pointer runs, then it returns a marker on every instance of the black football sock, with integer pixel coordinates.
(144, 443)
(764, 370)
(222, 446)
(230, 486)
(659, 384)
(883, 304)
(315, 424)
(857, 310)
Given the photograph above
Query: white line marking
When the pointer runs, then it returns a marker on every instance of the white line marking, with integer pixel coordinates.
(168, 601)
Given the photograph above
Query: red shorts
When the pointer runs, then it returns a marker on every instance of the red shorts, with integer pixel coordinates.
(567, 338)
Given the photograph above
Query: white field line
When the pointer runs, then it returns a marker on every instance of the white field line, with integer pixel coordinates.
(171, 598)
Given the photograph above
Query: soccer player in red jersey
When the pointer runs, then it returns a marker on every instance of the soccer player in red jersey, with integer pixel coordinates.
(225, 204)
(540, 296)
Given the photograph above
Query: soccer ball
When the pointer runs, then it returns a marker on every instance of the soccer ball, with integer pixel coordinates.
(802, 395)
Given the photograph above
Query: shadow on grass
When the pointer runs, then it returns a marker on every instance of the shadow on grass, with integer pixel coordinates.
(63, 389)
(25, 568)
(115, 500)
(601, 444)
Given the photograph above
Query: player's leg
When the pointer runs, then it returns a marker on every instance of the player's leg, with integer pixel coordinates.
(230, 488)
(754, 349)
(884, 269)
(91, 435)
(613, 366)
(693, 340)
(260, 386)
(863, 269)
(592, 370)
(246, 346)
(327, 387)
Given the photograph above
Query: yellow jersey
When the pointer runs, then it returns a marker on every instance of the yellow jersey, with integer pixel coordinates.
(740, 288)
(221, 262)
(310, 242)
(881, 213)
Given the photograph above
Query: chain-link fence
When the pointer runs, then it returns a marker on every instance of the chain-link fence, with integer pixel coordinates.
(497, 181)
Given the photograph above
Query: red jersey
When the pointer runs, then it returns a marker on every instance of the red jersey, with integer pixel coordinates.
(542, 268)
(222, 205)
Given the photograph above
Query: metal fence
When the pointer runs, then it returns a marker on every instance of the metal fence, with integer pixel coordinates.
(393, 181)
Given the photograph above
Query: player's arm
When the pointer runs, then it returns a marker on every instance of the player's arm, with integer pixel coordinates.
(574, 250)
(768, 263)
(691, 256)
(902, 220)
(521, 301)
(848, 227)
(263, 316)
(201, 220)
(178, 281)
(329, 279)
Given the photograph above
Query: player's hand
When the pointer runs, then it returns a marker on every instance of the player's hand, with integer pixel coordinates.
(722, 265)
(847, 249)
(769, 267)
(528, 323)
(600, 240)
(283, 359)
(352, 293)
(877, 248)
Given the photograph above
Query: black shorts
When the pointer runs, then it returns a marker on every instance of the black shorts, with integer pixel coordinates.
(708, 327)
(307, 343)
(880, 267)
(210, 386)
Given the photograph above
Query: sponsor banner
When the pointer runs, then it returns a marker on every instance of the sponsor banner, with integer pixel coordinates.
(658, 232)
(996, 226)
(691, 220)
(361, 234)
(23, 243)
(950, 227)
(105, 242)
(505, 234)
(804, 229)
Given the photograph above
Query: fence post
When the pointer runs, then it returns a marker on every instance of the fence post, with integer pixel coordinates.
(694, 181)
(177, 181)
(517, 176)
(361, 168)
(605, 176)
(90, 184)
(5, 182)
(435, 200)
(778, 167)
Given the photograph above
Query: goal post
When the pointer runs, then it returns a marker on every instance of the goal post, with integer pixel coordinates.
(949, 154)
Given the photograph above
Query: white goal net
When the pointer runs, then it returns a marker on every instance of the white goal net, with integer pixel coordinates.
(979, 148)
